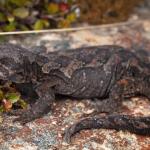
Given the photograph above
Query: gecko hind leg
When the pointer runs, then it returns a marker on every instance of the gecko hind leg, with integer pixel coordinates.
(127, 87)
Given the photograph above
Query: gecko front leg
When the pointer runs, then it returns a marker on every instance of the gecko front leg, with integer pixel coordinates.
(42, 106)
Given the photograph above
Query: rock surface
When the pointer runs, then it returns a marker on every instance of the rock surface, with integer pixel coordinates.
(47, 133)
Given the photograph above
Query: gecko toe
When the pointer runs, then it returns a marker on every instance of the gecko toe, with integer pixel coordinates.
(67, 136)
(24, 118)
(17, 112)
(69, 132)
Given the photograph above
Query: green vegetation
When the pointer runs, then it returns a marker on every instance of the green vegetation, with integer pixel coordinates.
(9, 97)
(25, 15)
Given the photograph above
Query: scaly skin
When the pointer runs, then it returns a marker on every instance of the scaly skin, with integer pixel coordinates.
(107, 73)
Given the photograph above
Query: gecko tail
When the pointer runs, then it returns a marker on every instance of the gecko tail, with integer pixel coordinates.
(137, 125)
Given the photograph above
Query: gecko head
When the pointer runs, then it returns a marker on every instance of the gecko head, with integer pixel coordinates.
(10, 70)
(10, 63)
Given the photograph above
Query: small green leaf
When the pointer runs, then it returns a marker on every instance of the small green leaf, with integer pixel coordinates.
(71, 17)
(52, 8)
(46, 23)
(40, 24)
(64, 24)
(11, 18)
(13, 97)
(22, 103)
(10, 27)
(21, 12)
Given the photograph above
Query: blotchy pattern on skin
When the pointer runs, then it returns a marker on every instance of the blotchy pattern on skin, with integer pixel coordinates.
(108, 73)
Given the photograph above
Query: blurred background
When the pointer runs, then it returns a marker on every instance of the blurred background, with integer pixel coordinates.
(23, 15)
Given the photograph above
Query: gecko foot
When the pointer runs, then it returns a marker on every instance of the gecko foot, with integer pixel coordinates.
(69, 132)
(26, 117)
